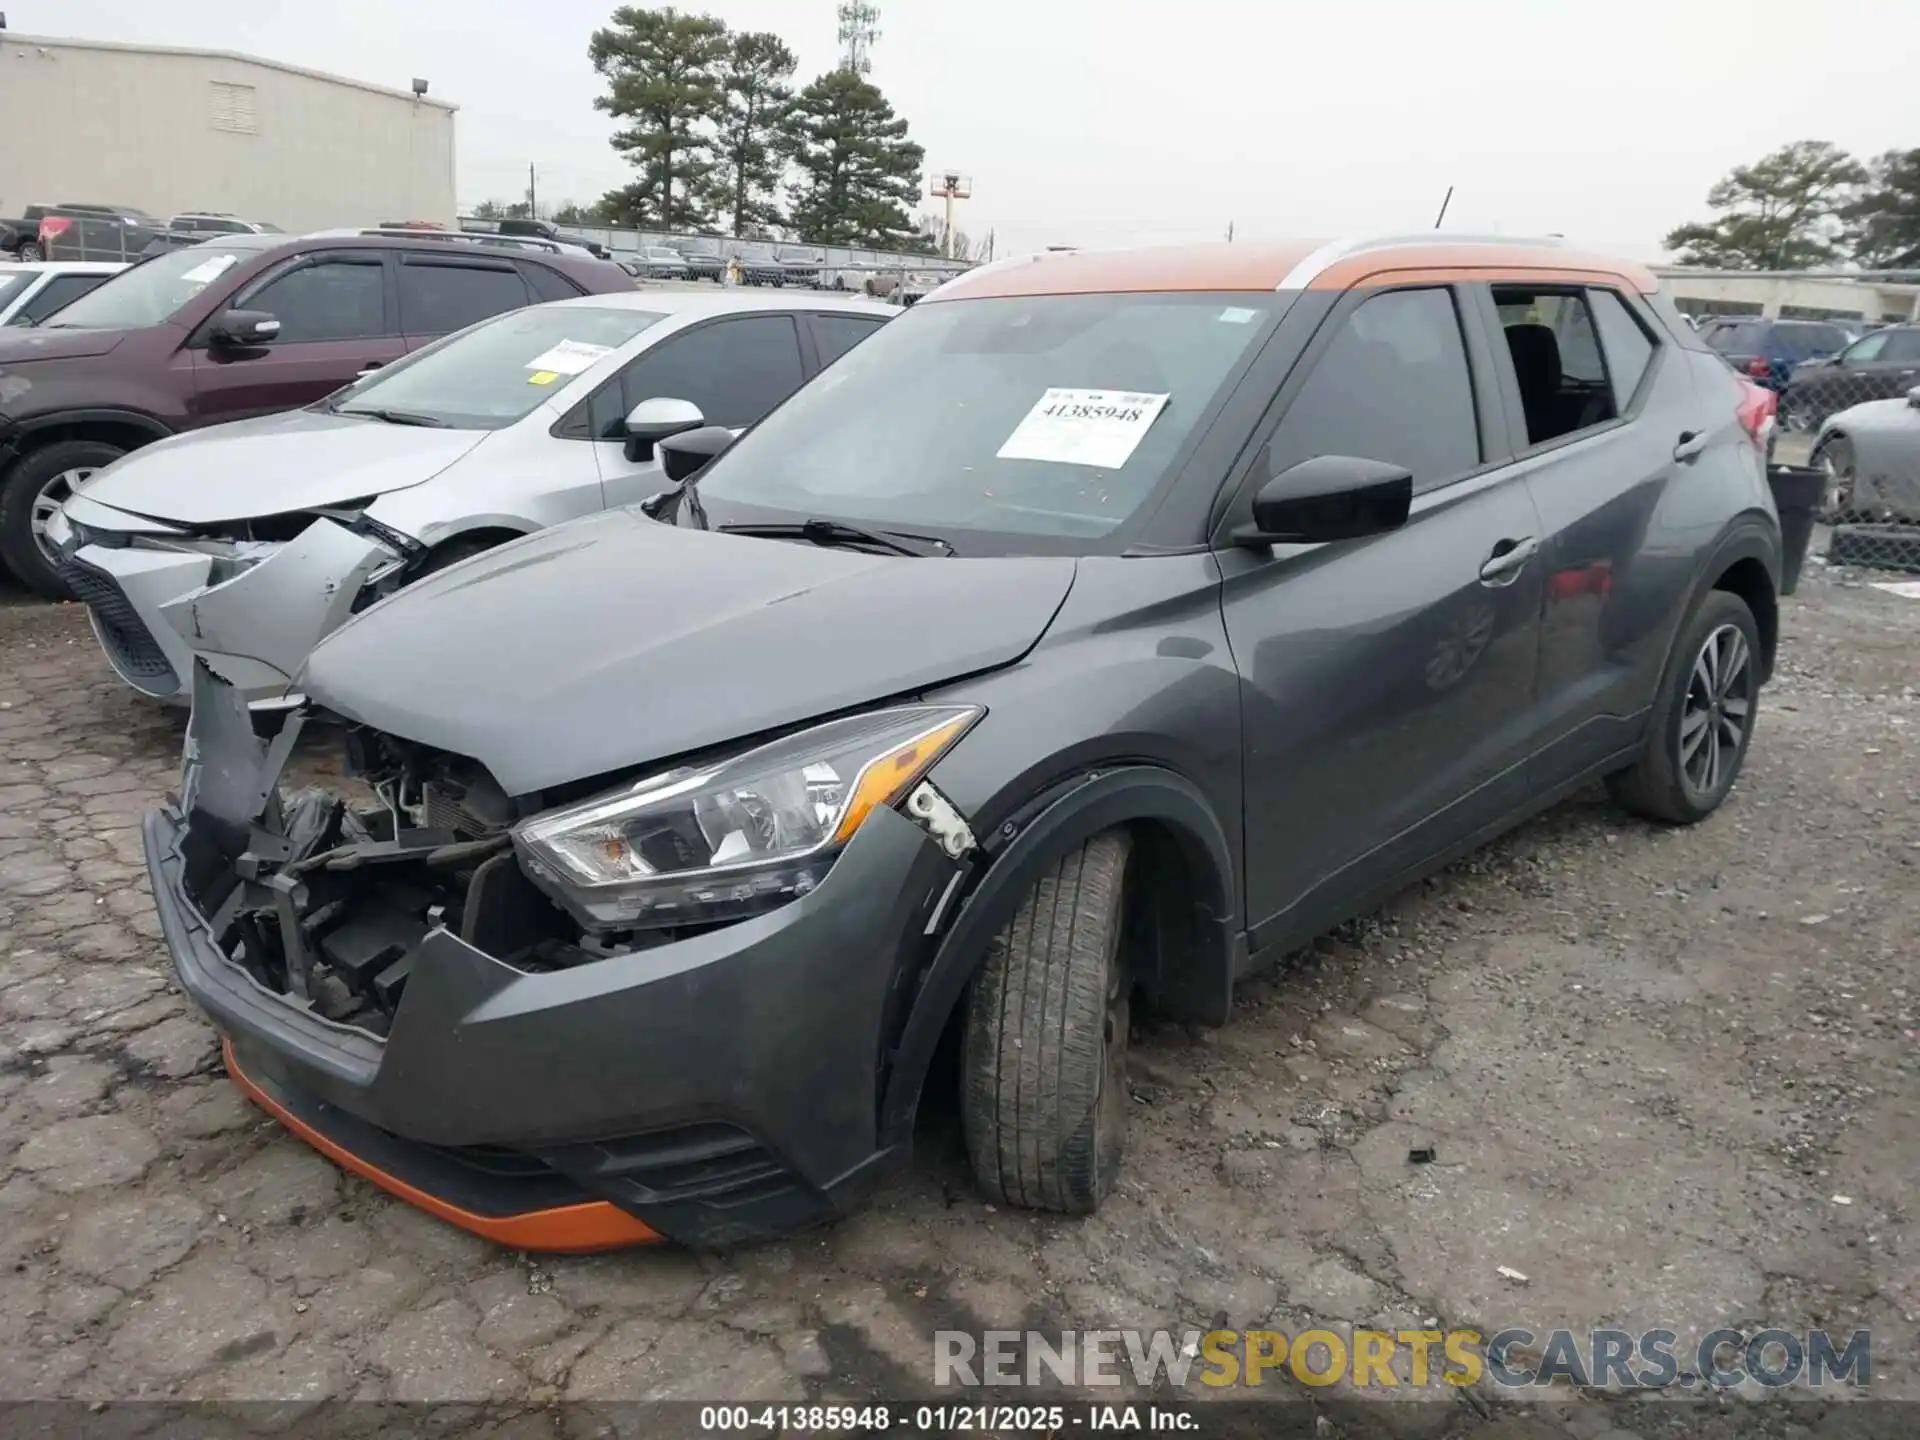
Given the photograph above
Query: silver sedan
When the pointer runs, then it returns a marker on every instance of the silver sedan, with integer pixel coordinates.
(245, 544)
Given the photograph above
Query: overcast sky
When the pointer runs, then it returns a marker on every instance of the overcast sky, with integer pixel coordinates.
(1109, 122)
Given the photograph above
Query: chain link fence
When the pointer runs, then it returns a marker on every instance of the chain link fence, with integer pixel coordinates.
(1854, 418)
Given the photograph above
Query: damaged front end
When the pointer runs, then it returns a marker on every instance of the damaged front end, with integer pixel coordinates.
(323, 900)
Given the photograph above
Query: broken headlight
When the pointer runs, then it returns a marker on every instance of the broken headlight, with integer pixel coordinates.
(701, 845)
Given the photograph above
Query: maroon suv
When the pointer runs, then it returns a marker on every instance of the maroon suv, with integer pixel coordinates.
(238, 326)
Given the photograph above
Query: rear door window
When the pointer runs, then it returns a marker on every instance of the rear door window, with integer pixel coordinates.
(549, 284)
(834, 335)
(1393, 386)
(438, 297)
(1902, 345)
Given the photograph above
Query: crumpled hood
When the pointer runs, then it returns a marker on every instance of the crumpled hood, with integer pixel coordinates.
(274, 464)
(615, 640)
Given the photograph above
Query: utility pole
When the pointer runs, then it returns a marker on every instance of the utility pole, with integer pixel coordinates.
(950, 185)
(859, 28)
(533, 212)
(1443, 208)
(1230, 232)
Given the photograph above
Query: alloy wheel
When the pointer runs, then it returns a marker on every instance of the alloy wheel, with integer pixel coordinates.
(1836, 498)
(1718, 707)
(47, 504)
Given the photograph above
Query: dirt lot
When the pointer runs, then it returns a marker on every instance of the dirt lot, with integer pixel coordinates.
(1669, 1076)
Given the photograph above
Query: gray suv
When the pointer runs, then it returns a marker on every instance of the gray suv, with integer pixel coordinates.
(1105, 626)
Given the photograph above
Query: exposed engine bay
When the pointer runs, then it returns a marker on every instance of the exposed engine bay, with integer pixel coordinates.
(323, 900)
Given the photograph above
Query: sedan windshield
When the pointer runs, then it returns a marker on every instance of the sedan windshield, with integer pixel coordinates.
(492, 374)
(1040, 416)
(11, 284)
(148, 293)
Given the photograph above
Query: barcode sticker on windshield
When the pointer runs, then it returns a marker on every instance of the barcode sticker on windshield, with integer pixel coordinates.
(209, 270)
(1101, 428)
(569, 357)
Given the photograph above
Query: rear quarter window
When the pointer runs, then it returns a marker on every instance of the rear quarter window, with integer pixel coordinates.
(548, 284)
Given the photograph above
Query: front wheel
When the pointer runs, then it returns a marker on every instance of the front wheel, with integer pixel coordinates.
(1834, 458)
(1044, 1057)
(1702, 718)
(31, 495)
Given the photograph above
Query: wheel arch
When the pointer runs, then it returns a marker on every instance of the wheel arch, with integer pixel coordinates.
(109, 425)
(1186, 950)
(1745, 561)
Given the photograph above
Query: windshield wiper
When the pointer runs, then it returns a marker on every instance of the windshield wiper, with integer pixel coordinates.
(838, 532)
(396, 417)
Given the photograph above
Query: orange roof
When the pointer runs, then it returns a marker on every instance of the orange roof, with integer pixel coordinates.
(1312, 264)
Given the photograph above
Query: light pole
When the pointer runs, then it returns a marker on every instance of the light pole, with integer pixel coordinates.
(950, 185)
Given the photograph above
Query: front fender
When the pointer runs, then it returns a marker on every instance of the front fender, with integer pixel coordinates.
(1055, 824)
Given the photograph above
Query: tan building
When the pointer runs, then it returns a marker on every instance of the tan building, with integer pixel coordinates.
(167, 130)
(1789, 294)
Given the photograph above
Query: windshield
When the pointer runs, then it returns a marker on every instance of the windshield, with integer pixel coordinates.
(11, 284)
(1036, 416)
(490, 375)
(148, 293)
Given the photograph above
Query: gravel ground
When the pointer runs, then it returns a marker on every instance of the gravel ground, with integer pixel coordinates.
(1668, 1076)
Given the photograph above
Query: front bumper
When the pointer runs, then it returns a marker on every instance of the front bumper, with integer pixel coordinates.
(157, 604)
(719, 1088)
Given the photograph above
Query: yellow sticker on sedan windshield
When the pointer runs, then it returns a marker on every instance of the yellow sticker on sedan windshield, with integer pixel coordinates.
(1101, 428)
(542, 377)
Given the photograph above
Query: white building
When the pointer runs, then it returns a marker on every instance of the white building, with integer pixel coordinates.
(1789, 294)
(168, 130)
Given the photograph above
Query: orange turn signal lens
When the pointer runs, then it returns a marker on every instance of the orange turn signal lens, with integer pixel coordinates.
(887, 777)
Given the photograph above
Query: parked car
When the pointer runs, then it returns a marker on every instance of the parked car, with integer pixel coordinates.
(705, 259)
(1878, 366)
(244, 544)
(660, 262)
(241, 326)
(759, 264)
(547, 230)
(1229, 602)
(94, 232)
(1871, 454)
(1766, 351)
(208, 223)
(30, 293)
(801, 264)
(20, 240)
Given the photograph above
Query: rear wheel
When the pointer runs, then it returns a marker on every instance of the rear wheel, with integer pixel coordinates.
(31, 495)
(1834, 457)
(1044, 1057)
(31, 253)
(1702, 720)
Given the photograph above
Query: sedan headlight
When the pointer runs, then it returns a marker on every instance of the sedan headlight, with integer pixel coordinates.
(721, 842)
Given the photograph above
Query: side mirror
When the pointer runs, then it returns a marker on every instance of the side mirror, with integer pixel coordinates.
(244, 327)
(1330, 497)
(654, 420)
(685, 455)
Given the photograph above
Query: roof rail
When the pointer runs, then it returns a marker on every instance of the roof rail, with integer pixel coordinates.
(1326, 255)
(468, 237)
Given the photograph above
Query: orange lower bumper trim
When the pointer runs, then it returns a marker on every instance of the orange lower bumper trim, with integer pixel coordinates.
(578, 1229)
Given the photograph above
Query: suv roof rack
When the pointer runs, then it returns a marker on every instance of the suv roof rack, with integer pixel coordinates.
(1336, 250)
(466, 237)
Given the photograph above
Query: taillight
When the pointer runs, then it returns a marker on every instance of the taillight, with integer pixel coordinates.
(1759, 368)
(1758, 407)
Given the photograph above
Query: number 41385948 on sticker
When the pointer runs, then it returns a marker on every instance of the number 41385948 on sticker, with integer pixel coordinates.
(1101, 428)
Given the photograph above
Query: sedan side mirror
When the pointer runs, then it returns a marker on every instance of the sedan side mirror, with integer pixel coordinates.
(685, 455)
(654, 420)
(1330, 497)
(244, 328)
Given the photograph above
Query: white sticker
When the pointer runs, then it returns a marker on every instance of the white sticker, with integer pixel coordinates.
(1101, 428)
(210, 269)
(1236, 315)
(569, 357)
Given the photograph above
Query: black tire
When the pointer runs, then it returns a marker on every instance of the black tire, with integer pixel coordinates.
(1671, 781)
(21, 487)
(31, 253)
(1043, 1059)
(1835, 456)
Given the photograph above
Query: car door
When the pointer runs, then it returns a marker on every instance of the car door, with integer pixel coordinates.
(735, 369)
(440, 294)
(1386, 682)
(1605, 422)
(1895, 369)
(337, 321)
